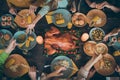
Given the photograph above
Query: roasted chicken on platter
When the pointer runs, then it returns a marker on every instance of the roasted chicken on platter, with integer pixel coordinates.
(55, 40)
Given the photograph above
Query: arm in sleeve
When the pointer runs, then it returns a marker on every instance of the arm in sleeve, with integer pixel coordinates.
(3, 57)
(44, 10)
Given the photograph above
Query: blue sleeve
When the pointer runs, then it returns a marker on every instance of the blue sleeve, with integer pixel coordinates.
(44, 10)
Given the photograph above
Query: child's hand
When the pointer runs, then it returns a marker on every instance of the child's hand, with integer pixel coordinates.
(91, 73)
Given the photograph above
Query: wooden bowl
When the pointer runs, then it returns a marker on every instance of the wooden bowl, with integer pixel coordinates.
(106, 66)
(89, 48)
(17, 67)
(97, 13)
(101, 48)
(79, 19)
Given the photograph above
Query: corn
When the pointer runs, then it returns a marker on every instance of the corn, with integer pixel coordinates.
(61, 21)
(27, 43)
(30, 38)
(29, 19)
(9, 63)
(49, 19)
(69, 26)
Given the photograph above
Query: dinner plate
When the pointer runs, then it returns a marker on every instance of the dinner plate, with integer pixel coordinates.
(99, 15)
(77, 18)
(16, 66)
(55, 65)
(101, 48)
(6, 20)
(96, 34)
(20, 37)
(5, 37)
(23, 18)
(89, 48)
(106, 66)
(30, 42)
(65, 14)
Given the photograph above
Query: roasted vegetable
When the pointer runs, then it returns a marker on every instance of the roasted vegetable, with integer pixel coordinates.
(30, 38)
(96, 18)
(61, 21)
(29, 19)
(97, 34)
(49, 19)
(69, 26)
(27, 43)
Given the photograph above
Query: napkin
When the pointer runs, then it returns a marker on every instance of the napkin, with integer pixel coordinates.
(75, 67)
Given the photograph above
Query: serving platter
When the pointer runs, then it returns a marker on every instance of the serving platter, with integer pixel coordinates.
(89, 48)
(16, 66)
(30, 42)
(24, 18)
(62, 61)
(63, 17)
(106, 66)
(96, 18)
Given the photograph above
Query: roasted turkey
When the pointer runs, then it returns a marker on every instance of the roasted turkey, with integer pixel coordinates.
(55, 40)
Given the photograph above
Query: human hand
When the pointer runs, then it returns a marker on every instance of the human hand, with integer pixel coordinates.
(97, 58)
(56, 73)
(11, 46)
(12, 11)
(32, 9)
(30, 28)
(117, 69)
(100, 5)
(107, 4)
(32, 73)
(91, 73)
(92, 61)
(93, 5)
(73, 10)
(106, 37)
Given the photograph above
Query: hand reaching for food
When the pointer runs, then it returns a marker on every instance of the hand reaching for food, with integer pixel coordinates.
(12, 11)
(106, 37)
(32, 9)
(92, 61)
(11, 46)
(30, 27)
(56, 73)
(32, 73)
(93, 5)
(100, 5)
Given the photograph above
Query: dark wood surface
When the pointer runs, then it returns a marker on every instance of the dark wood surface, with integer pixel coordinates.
(37, 57)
